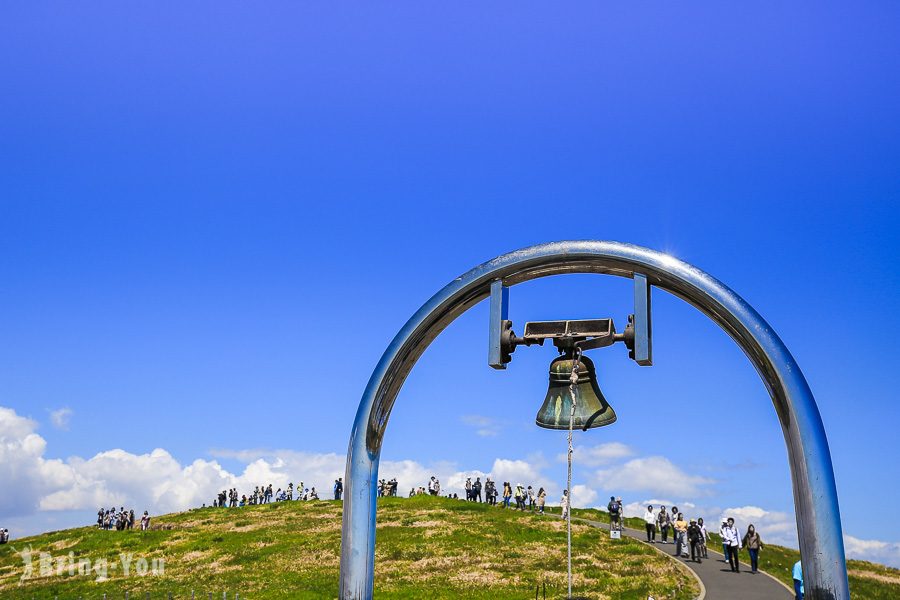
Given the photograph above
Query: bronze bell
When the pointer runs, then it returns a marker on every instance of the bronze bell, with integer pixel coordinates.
(591, 408)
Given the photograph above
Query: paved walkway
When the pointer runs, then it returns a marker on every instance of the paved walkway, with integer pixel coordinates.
(720, 582)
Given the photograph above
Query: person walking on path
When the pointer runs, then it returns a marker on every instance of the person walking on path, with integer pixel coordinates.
(614, 508)
(650, 518)
(681, 536)
(338, 488)
(530, 493)
(704, 537)
(541, 500)
(797, 574)
(731, 537)
(754, 544)
(672, 518)
(507, 494)
(694, 535)
(724, 542)
(564, 504)
(662, 522)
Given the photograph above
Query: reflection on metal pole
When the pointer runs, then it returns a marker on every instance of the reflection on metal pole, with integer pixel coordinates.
(815, 495)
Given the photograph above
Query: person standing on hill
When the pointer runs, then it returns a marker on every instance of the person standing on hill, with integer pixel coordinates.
(338, 488)
(731, 537)
(476, 490)
(650, 519)
(145, 521)
(541, 500)
(490, 492)
(754, 544)
(520, 497)
(564, 504)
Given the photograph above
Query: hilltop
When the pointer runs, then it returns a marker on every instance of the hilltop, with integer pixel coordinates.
(427, 548)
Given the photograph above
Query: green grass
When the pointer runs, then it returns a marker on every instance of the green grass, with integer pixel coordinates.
(868, 581)
(427, 548)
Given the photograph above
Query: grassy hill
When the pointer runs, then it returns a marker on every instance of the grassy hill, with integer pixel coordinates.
(868, 581)
(427, 548)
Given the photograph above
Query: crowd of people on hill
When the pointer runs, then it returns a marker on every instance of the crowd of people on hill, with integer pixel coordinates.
(526, 498)
(387, 488)
(120, 520)
(263, 494)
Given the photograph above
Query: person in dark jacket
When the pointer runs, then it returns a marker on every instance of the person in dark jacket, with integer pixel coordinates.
(695, 535)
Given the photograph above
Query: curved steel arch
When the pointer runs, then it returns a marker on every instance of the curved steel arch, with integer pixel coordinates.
(815, 494)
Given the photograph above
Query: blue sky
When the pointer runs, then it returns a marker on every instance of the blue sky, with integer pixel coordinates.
(214, 218)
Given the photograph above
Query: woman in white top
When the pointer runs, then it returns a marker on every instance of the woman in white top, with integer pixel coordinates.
(650, 518)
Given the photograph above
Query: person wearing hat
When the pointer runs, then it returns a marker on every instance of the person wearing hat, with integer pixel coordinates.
(520, 497)
(695, 535)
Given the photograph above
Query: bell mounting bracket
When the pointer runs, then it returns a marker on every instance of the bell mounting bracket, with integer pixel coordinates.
(586, 334)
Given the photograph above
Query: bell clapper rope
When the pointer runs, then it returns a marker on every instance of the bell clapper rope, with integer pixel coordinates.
(573, 381)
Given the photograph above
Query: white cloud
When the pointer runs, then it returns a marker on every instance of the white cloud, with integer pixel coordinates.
(887, 553)
(484, 426)
(655, 474)
(583, 496)
(23, 468)
(61, 417)
(596, 456)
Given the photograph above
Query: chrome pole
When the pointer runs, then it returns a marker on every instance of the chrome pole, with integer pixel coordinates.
(812, 475)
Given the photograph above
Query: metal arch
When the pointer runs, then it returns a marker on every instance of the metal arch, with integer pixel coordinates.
(815, 494)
